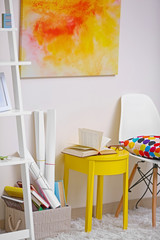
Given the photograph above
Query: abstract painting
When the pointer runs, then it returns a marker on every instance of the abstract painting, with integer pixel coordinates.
(69, 37)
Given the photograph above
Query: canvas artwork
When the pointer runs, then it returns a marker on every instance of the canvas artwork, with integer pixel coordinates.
(69, 37)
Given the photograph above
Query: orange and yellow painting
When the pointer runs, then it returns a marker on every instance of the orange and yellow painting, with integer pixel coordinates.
(69, 37)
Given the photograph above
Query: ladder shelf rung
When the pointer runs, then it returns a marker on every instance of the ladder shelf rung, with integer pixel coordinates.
(14, 112)
(13, 63)
(8, 29)
(10, 161)
(22, 234)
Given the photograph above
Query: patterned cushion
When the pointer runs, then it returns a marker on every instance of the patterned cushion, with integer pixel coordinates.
(143, 146)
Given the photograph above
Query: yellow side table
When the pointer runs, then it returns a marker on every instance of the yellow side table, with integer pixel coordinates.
(100, 165)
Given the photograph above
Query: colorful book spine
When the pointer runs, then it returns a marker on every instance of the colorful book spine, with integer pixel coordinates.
(18, 193)
(32, 187)
(18, 203)
(40, 199)
(13, 202)
(41, 181)
(41, 192)
(36, 202)
(14, 191)
(59, 192)
(6, 20)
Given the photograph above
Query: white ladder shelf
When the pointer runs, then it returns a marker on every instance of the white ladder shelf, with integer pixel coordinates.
(19, 113)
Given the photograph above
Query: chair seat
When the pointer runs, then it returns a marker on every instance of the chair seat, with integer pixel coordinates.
(137, 158)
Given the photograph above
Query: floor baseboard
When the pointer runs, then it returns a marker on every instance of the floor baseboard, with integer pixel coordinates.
(111, 207)
(107, 208)
(2, 224)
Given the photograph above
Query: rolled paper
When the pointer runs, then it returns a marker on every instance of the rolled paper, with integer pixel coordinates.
(40, 139)
(50, 147)
(42, 182)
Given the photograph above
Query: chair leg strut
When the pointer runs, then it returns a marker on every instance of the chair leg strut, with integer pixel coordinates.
(154, 195)
(147, 180)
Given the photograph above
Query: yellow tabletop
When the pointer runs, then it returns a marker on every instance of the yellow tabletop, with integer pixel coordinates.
(99, 165)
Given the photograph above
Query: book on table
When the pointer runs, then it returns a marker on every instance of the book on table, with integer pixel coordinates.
(91, 143)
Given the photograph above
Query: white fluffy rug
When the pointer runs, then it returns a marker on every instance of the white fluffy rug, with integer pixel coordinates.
(139, 227)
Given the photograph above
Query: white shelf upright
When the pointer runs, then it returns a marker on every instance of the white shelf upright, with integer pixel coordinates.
(18, 112)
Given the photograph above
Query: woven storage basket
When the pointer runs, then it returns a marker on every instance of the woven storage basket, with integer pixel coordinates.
(47, 223)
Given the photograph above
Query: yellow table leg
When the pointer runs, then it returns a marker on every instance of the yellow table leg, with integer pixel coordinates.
(99, 205)
(89, 202)
(66, 177)
(125, 198)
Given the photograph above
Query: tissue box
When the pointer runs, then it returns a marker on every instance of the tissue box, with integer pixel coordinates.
(47, 223)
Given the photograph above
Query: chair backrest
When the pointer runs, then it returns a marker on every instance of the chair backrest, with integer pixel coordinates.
(139, 116)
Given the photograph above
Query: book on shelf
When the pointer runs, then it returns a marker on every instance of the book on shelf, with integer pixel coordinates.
(6, 20)
(17, 203)
(14, 191)
(59, 192)
(40, 194)
(32, 187)
(13, 202)
(40, 199)
(91, 143)
(35, 201)
(37, 188)
(35, 196)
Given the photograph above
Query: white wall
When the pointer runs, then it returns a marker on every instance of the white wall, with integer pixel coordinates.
(91, 102)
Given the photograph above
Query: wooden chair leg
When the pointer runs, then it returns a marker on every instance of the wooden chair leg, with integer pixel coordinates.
(154, 197)
(129, 184)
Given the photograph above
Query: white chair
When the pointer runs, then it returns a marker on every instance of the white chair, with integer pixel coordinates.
(139, 116)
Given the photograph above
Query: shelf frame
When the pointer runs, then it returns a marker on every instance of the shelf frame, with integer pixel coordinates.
(22, 234)
(11, 161)
(8, 29)
(19, 113)
(15, 63)
(14, 113)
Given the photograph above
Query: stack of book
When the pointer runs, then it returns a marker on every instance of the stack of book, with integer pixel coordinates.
(13, 196)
